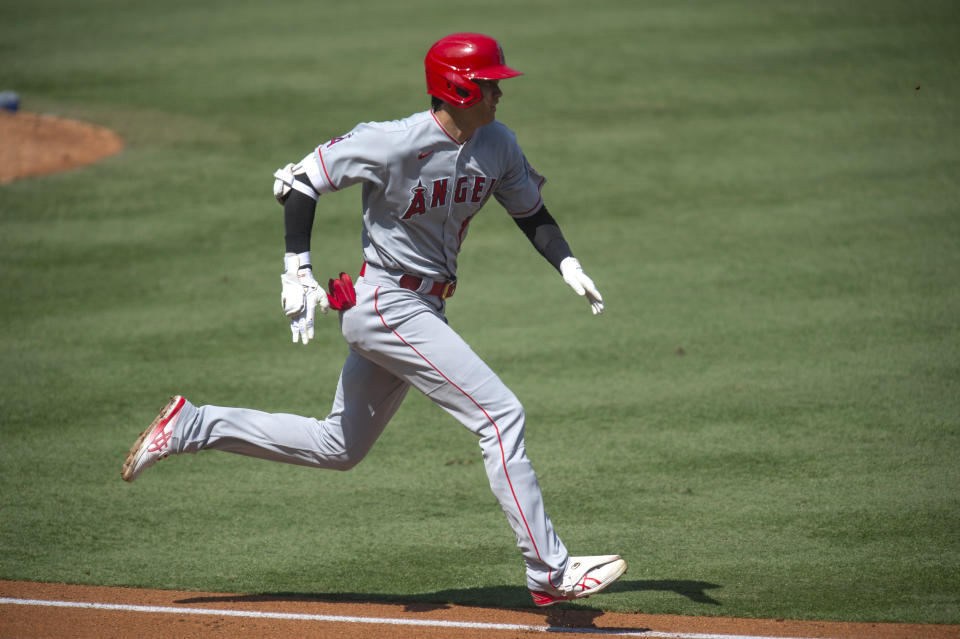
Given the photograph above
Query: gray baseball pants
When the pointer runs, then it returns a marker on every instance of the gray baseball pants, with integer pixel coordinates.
(398, 338)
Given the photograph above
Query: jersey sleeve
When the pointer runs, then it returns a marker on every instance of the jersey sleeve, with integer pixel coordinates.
(346, 160)
(518, 191)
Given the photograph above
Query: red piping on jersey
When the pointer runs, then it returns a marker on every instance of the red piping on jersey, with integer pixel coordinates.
(463, 229)
(458, 142)
(539, 201)
(503, 456)
(323, 166)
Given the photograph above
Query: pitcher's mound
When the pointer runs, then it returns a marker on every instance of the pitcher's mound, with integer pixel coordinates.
(35, 144)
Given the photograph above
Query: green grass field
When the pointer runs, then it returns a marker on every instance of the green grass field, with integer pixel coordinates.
(765, 423)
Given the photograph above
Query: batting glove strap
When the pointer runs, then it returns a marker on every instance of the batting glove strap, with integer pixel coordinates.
(292, 262)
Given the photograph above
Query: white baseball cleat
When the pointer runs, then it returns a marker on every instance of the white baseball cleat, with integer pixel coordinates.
(583, 577)
(153, 443)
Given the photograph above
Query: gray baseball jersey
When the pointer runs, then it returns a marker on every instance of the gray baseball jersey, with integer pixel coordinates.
(420, 189)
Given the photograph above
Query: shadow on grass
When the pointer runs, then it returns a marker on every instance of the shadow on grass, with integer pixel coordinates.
(561, 615)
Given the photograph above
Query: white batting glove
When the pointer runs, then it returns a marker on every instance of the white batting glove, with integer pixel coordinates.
(581, 284)
(300, 296)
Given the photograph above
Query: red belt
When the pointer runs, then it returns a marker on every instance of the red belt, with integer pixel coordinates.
(443, 290)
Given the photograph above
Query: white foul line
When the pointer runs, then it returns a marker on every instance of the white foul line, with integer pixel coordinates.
(469, 625)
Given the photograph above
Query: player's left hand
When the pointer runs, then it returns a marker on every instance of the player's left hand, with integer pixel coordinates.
(300, 297)
(581, 284)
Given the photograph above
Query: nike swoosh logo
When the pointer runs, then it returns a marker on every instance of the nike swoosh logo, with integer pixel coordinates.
(420, 156)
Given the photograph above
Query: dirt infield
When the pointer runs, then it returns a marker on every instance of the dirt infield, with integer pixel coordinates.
(57, 610)
(35, 144)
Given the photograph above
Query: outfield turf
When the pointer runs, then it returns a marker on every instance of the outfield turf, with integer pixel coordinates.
(765, 422)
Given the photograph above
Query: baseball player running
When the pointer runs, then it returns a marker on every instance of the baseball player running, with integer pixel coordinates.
(423, 178)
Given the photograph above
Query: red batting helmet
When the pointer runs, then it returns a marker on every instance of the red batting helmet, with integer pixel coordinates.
(456, 60)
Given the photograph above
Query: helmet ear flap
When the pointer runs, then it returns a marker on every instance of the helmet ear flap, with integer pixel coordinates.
(463, 88)
(452, 87)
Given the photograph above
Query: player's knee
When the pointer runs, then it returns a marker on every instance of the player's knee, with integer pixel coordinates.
(342, 464)
(511, 421)
(343, 461)
(353, 454)
(516, 412)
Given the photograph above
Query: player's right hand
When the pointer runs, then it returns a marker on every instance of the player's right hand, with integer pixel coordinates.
(300, 296)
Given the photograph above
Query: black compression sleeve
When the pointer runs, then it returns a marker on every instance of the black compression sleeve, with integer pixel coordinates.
(544, 233)
(298, 212)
